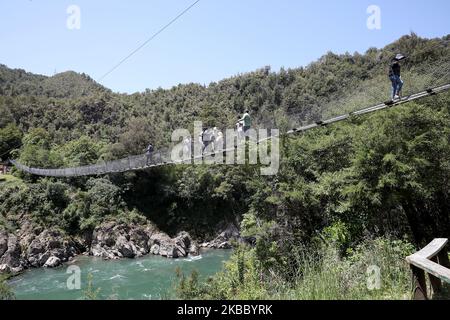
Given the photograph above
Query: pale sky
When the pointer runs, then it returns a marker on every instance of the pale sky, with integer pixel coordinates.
(214, 40)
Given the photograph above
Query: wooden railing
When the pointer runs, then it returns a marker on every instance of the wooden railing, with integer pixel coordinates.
(432, 260)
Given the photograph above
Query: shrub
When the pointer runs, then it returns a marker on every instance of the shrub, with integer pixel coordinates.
(5, 291)
(322, 273)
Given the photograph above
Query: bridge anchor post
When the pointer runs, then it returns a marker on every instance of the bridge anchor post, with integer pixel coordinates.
(419, 284)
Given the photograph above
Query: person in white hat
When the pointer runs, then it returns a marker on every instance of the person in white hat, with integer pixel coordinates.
(395, 76)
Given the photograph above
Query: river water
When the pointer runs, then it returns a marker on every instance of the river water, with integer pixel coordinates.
(150, 277)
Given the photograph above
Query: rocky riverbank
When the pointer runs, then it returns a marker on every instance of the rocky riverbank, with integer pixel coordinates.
(115, 241)
(33, 246)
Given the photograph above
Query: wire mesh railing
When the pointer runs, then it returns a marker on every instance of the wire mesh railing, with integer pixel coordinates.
(164, 156)
(371, 91)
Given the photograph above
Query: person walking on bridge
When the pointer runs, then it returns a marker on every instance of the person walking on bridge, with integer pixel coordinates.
(240, 129)
(395, 76)
(206, 139)
(247, 121)
(149, 154)
(218, 140)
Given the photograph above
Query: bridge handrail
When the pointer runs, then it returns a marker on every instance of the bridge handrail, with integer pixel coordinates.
(123, 165)
(432, 260)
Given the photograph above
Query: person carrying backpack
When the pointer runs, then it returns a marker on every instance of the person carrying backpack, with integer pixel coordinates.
(247, 121)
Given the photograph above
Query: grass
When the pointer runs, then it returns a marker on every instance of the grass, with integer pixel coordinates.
(322, 274)
(9, 179)
(5, 291)
(375, 270)
(330, 276)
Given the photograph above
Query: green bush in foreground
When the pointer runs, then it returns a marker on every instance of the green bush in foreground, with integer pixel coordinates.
(323, 274)
(5, 291)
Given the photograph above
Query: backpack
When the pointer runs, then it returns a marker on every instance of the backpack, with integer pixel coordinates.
(208, 136)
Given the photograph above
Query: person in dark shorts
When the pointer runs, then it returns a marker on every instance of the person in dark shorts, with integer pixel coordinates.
(247, 121)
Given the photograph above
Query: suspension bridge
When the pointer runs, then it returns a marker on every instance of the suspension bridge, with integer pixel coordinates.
(163, 158)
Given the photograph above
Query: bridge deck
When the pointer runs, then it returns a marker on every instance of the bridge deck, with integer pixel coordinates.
(134, 163)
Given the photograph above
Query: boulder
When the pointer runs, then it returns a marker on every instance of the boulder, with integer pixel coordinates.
(224, 239)
(159, 238)
(43, 258)
(52, 262)
(111, 240)
(126, 248)
(48, 243)
(4, 268)
(35, 248)
(183, 239)
(139, 237)
(181, 251)
(155, 249)
(12, 255)
(194, 249)
(168, 251)
(183, 243)
(178, 247)
(104, 254)
(224, 246)
(32, 246)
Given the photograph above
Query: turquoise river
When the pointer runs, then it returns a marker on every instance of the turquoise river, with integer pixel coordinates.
(149, 277)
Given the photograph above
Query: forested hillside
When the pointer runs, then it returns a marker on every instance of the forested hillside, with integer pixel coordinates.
(69, 106)
(384, 177)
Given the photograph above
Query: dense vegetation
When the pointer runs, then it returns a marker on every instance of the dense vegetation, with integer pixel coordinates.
(360, 194)
(5, 290)
(348, 196)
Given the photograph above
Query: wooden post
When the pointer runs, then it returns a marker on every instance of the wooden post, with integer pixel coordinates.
(436, 283)
(443, 261)
(419, 284)
(433, 260)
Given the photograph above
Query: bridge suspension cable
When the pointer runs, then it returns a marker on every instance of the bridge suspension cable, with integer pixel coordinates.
(149, 40)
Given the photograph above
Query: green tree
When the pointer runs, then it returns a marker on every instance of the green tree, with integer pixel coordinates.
(35, 151)
(81, 152)
(10, 138)
(138, 134)
(401, 172)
